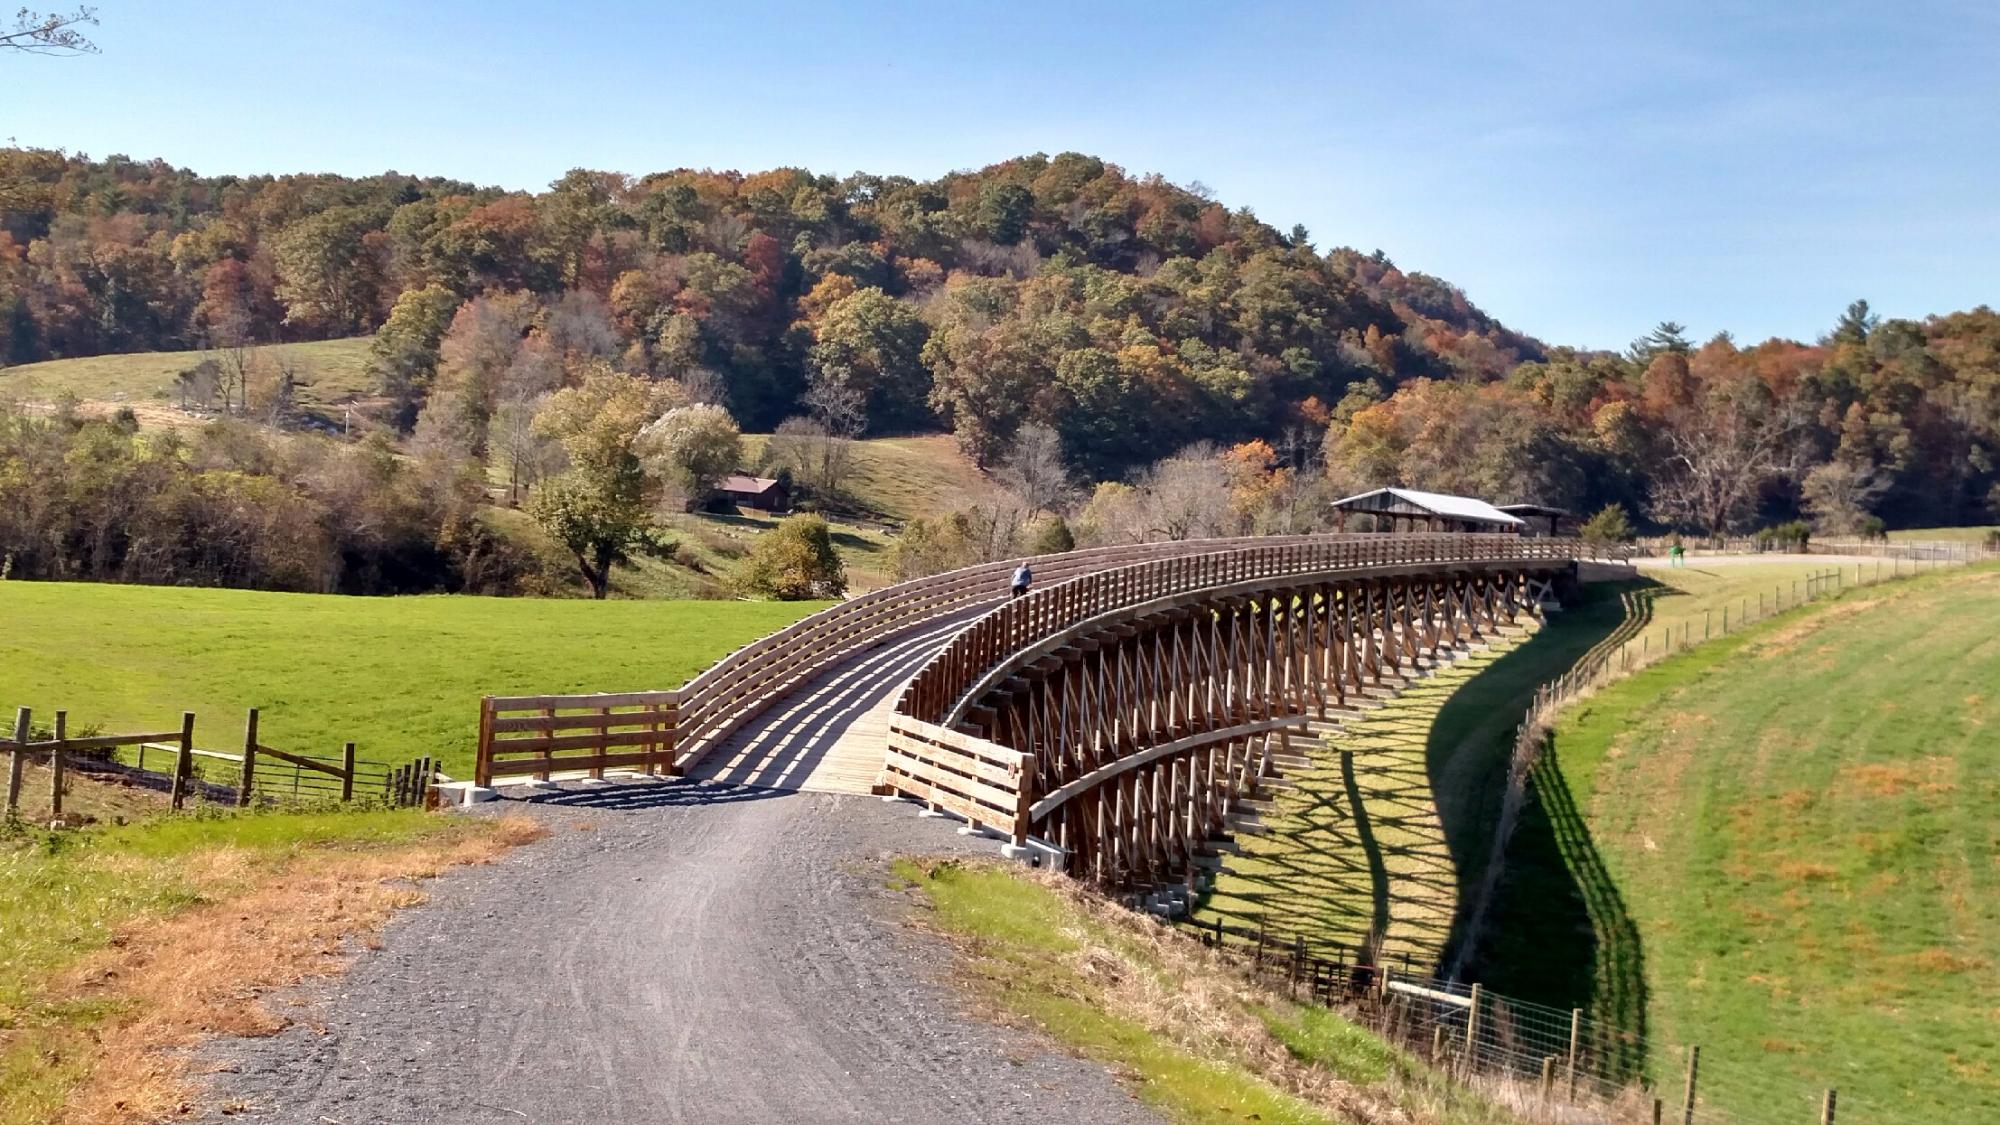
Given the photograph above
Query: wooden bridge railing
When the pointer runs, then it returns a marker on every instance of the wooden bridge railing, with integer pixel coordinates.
(941, 691)
(664, 731)
(986, 783)
(1143, 702)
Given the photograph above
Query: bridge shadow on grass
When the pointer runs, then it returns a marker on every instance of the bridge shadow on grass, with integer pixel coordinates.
(1354, 861)
(1559, 933)
(638, 796)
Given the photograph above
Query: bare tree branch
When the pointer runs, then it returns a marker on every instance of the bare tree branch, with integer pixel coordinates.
(50, 33)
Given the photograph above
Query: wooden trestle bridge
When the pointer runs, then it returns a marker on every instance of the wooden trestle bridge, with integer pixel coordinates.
(1112, 718)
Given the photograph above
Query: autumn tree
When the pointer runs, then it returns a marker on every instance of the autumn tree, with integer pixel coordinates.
(692, 447)
(329, 276)
(1034, 470)
(597, 508)
(404, 355)
(872, 343)
(1721, 442)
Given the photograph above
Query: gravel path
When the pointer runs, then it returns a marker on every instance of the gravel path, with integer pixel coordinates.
(675, 951)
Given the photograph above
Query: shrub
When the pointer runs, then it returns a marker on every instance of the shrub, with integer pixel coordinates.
(795, 561)
(1609, 525)
(1052, 537)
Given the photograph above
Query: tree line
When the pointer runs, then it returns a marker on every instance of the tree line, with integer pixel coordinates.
(1055, 289)
(599, 345)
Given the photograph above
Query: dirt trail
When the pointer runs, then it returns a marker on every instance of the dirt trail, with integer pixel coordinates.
(677, 951)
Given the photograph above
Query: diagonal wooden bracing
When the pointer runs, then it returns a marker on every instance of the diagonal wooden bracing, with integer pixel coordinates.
(1139, 731)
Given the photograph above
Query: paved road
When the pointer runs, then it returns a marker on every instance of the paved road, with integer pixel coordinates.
(685, 951)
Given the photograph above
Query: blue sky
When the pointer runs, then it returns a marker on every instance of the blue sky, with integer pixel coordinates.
(1583, 171)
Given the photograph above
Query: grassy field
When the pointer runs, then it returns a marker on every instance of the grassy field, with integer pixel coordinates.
(400, 676)
(332, 371)
(1781, 847)
(122, 945)
(1196, 1041)
(1943, 534)
(1387, 837)
(900, 478)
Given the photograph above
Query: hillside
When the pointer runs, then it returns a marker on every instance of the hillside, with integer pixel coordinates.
(330, 373)
(1780, 847)
(399, 676)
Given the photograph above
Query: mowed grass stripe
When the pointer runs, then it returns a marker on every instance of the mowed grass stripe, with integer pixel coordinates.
(1800, 822)
(401, 677)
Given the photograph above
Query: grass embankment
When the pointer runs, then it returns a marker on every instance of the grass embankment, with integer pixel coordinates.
(120, 946)
(1782, 847)
(330, 372)
(1387, 838)
(1191, 1036)
(401, 677)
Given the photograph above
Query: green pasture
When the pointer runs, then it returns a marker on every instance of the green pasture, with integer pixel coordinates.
(401, 677)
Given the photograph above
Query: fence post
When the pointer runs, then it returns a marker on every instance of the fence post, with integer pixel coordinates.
(347, 772)
(249, 777)
(1826, 1109)
(482, 767)
(1548, 1075)
(183, 762)
(1687, 1098)
(17, 759)
(1575, 1041)
(57, 763)
(1472, 1026)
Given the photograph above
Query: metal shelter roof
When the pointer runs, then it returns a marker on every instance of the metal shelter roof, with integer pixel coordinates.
(1535, 510)
(1411, 502)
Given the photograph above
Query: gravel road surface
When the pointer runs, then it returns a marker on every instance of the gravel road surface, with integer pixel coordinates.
(675, 951)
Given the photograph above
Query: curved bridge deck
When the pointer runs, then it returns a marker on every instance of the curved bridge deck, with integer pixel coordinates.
(827, 735)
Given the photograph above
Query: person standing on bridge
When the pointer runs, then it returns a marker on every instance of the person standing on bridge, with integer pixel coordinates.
(1022, 577)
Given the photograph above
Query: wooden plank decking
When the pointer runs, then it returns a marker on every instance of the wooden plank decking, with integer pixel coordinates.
(827, 735)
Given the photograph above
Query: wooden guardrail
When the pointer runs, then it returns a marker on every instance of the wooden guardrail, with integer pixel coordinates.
(736, 689)
(987, 784)
(540, 734)
(940, 691)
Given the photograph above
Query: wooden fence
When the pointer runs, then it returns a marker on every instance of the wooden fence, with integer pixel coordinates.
(258, 773)
(539, 734)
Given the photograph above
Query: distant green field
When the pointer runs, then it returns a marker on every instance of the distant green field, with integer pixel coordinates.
(1944, 534)
(332, 371)
(1782, 847)
(902, 478)
(400, 676)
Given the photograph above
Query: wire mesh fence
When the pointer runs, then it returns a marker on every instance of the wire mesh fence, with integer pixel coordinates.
(1539, 1062)
(1557, 1065)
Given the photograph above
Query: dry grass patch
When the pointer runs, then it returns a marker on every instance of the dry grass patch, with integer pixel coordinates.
(1194, 1036)
(104, 1038)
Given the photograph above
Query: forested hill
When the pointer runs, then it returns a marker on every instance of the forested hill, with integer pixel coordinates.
(1129, 313)
(1128, 317)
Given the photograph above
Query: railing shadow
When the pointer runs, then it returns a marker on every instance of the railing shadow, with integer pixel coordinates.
(638, 796)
